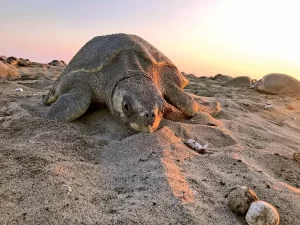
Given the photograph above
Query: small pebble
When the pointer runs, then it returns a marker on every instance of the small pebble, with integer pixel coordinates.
(240, 198)
(268, 107)
(222, 183)
(262, 213)
(19, 89)
(296, 157)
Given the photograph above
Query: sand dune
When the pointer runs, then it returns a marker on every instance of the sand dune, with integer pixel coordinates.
(95, 171)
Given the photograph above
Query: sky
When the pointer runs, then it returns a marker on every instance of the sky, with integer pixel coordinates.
(202, 37)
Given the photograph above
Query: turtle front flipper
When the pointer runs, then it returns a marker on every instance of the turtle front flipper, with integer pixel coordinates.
(70, 105)
(174, 114)
(184, 102)
(187, 105)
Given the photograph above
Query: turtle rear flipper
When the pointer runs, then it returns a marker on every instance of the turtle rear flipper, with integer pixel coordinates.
(70, 105)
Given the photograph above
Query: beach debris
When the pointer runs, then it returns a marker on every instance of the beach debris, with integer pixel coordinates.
(262, 213)
(19, 89)
(268, 105)
(196, 146)
(240, 199)
(68, 187)
(296, 157)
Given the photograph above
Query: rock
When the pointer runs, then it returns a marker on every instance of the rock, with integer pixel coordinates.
(221, 77)
(23, 62)
(296, 157)
(12, 60)
(240, 198)
(8, 72)
(36, 64)
(242, 81)
(276, 83)
(3, 58)
(57, 63)
(184, 73)
(190, 75)
(262, 213)
(27, 61)
(203, 78)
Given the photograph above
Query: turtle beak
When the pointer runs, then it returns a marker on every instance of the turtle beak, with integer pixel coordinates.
(147, 121)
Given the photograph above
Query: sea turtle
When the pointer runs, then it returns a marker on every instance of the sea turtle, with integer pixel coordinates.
(126, 73)
(277, 83)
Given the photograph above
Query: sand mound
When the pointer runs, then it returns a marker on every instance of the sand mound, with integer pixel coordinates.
(8, 72)
(95, 171)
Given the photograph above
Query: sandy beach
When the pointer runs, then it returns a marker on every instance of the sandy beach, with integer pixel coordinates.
(95, 171)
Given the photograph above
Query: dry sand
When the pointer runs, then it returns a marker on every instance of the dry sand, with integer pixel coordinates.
(95, 171)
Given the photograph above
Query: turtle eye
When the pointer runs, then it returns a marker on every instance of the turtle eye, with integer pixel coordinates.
(125, 106)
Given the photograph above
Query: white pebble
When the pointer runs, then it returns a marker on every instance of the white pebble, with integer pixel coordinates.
(19, 89)
(262, 213)
(269, 107)
(195, 145)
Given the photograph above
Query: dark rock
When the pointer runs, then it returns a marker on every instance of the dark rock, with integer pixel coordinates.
(242, 81)
(57, 63)
(221, 77)
(3, 58)
(12, 60)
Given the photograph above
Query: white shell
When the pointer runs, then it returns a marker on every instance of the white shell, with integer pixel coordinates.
(195, 145)
(262, 213)
(19, 89)
(269, 107)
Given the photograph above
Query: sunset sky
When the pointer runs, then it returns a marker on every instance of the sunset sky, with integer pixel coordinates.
(203, 37)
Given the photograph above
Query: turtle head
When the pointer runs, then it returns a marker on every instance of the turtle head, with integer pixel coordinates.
(140, 104)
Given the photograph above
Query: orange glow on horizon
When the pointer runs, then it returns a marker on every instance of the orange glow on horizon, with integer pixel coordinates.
(232, 37)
